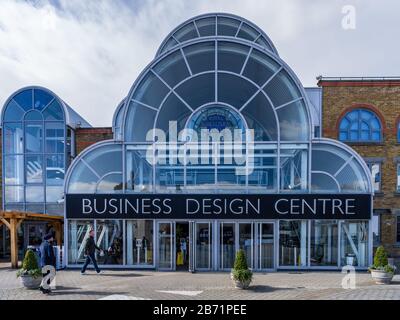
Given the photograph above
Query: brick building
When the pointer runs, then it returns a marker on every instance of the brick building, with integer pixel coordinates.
(379, 100)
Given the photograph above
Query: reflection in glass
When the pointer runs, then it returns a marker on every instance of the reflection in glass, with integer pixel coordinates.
(165, 245)
(169, 178)
(354, 243)
(109, 237)
(266, 245)
(24, 99)
(203, 246)
(13, 112)
(78, 233)
(139, 242)
(55, 137)
(34, 194)
(172, 69)
(111, 183)
(246, 241)
(14, 194)
(53, 111)
(55, 169)
(13, 138)
(33, 137)
(34, 169)
(293, 243)
(54, 193)
(139, 172)
(83, 180)
(201, 56)
(324, 243)
(42, 99)
(228, 26)
(294, 169)
(227, 245)
(13, 170)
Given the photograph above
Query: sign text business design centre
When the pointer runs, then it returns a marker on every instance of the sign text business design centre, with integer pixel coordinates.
(245, 207)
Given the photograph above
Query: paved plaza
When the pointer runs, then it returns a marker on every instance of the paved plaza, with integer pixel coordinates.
(134, 285)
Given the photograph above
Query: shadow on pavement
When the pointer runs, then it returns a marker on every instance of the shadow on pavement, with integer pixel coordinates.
(62, 291)
(260, 288)
(117, 275)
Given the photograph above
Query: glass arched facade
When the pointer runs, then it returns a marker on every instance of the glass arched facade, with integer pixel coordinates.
(38, 133)
(360, 125)
(34, 151)
(217, 114)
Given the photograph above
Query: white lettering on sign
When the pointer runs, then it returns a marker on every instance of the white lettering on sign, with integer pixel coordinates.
(296, 207)
(331, 207)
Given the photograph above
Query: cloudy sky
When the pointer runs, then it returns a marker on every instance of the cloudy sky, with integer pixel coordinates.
(90, 52)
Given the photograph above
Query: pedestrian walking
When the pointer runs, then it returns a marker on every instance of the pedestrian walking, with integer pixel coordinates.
(47, 256)
(90, 253)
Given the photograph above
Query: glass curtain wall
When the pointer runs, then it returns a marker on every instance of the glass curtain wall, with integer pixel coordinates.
(227, 245)
(324, 243)
(204, 245)
(246, 237)
(139, 242)
(293, 243)
(265, 246)
(78, 233)
(34, 152)
(354, 236)
(110, 238)
(165, 245)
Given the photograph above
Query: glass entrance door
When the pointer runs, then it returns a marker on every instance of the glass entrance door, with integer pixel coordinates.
(139, 243)
(203, 244)
(246, 241)
(227, 245)
(265, 246)
(165, 245)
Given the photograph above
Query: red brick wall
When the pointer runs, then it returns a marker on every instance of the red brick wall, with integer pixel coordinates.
(86, 137)
(383, 98)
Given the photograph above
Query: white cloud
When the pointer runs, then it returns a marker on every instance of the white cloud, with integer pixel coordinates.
(90, 52)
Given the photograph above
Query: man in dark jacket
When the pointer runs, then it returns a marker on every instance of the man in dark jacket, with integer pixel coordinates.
(90, 250)
(47, 256)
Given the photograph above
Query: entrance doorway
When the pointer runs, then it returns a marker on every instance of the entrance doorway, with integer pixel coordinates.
(182, 246)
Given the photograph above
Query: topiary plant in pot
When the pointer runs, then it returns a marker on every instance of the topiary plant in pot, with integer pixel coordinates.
(241, 275)
(382, 272)
(30, 273)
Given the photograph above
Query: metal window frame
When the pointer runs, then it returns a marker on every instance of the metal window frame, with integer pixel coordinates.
(43, 154)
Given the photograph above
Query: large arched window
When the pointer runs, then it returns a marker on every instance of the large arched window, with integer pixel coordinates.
(37, 138)
(258, 85)
(360, 125)
(34, 151)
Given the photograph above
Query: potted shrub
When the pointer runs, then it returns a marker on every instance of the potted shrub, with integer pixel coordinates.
(30, 273)
(382, 272)
(241, 275)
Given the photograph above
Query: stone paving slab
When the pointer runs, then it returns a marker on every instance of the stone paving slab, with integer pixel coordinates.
(136, 285)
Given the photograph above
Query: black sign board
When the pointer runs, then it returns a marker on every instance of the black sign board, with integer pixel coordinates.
(218, 206)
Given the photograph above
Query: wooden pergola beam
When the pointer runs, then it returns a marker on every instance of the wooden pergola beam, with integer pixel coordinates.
(5, 222)
(30, 216)
(13, 220)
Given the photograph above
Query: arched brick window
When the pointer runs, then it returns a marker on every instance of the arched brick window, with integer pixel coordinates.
(360, 125)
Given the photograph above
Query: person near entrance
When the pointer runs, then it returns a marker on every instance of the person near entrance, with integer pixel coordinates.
(47, 256)
(184, 250)
(90, 253)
